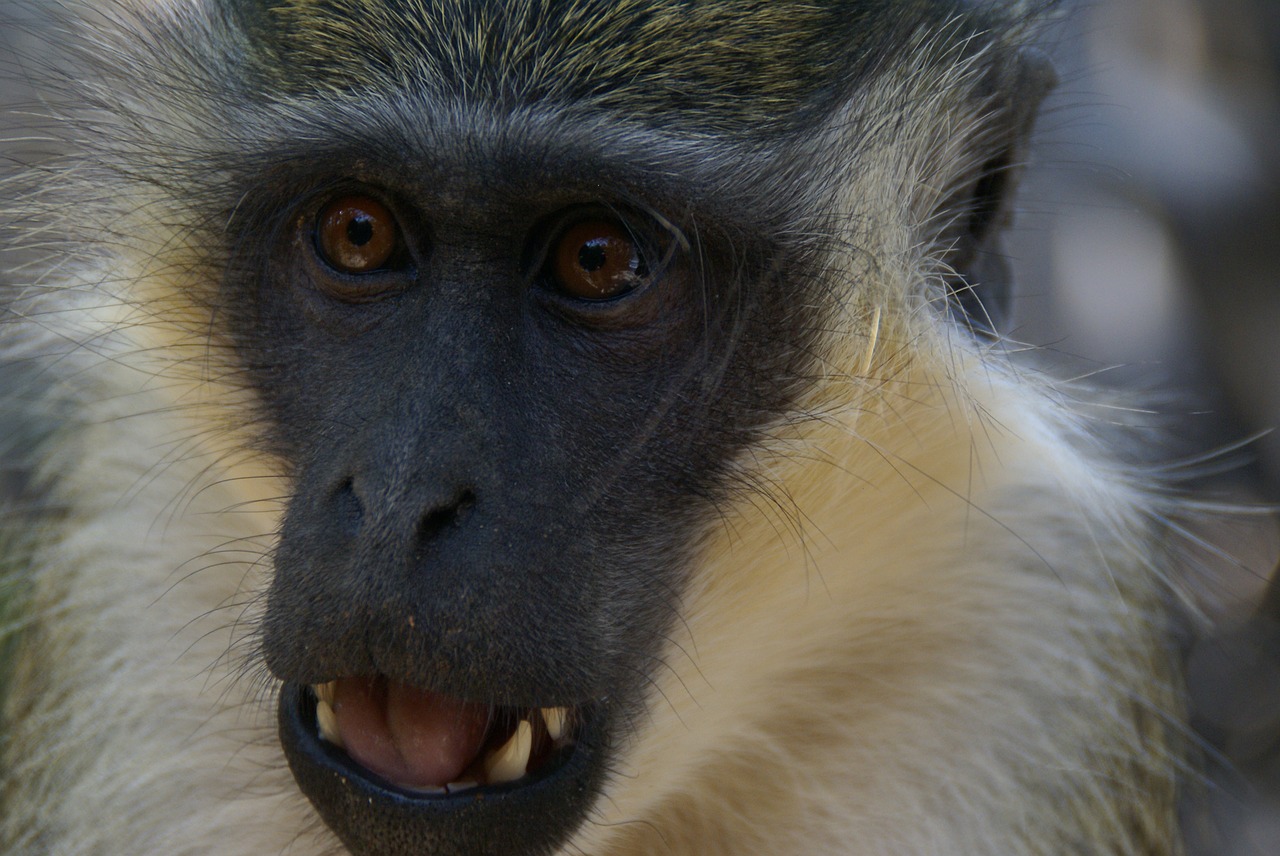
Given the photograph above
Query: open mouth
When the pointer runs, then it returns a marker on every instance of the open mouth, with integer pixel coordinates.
(429, 743)
(394, 769)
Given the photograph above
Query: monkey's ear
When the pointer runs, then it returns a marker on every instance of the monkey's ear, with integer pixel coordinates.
(980, 212)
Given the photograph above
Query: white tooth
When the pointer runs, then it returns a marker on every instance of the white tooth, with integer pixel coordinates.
(459, 787)
(555, 718)
(508, 763)
(434, 792)
(324, 692)
(328, 722)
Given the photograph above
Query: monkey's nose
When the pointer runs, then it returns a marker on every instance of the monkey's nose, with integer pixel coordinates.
(444, 516)
(412, 516)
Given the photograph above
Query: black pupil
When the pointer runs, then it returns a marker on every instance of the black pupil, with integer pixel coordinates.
(591, 256)
(360, 230)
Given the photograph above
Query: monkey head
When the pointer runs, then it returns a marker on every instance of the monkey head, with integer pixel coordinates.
(515, 290)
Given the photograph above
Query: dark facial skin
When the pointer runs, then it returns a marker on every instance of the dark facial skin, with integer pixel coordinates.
(478, 458)
(507, 410)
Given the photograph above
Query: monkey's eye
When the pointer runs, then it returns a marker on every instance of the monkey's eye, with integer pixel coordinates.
(596, 260)
(356, 234)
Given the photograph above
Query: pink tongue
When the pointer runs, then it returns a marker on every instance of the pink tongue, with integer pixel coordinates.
(409, 736)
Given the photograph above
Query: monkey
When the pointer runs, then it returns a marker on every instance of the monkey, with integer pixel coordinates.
(461, 427)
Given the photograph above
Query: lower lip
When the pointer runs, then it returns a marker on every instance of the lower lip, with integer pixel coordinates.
(373, 816)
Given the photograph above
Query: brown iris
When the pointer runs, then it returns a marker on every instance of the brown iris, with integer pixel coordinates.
(596, 260)
(356, 234)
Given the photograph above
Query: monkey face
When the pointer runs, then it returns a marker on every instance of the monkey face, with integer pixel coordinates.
(508, 407)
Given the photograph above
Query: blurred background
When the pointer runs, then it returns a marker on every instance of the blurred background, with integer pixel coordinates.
(1147, 253)
(1147, 256)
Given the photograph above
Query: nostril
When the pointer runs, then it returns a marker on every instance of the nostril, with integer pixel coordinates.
(446, 516)
(347, 508)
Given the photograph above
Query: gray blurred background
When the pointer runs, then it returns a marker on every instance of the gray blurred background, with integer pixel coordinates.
(1146, 255)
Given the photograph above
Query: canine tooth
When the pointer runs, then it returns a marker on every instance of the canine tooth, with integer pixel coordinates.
(555, 718)
(328, 722)
(509, 762)
(324, 692)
